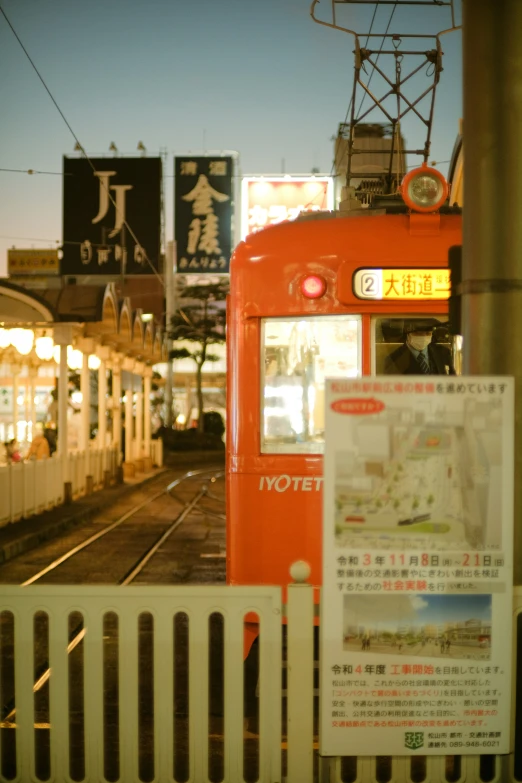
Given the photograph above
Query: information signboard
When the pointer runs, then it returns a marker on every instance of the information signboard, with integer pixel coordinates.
(32, 261)
(203, 212)
(416, 608)
(266, 201)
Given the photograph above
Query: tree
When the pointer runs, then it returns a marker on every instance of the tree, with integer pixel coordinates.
(201, 322)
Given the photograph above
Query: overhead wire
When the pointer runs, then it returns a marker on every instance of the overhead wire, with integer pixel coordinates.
(378, 54)
(35, 171)
(80, 146)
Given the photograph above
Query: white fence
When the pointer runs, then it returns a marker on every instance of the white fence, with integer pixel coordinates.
(87, 753)
(57, 727)
(28, 488)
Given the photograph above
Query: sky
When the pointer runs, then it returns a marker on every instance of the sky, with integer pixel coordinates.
(259, 77)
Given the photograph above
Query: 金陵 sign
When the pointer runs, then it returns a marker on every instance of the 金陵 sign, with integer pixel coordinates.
(203, 213)
(266, 201)
(32, 262)
(111, 216)
(404, 284)
(416, 615)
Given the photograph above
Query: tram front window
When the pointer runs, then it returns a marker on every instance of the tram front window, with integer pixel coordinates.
(413, 345)
(297, 355)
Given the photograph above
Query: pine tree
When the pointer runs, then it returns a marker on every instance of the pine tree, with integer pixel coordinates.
(202, 322)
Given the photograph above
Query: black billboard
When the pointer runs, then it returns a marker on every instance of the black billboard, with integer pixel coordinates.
(203, 213)
(111, 216)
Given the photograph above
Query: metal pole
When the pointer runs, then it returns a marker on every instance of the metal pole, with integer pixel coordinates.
(85, 385)
(170, 306)
(147, 382)
(102, 404)
(129, 429)
(63, 380)
(492, 235)
(116, 405)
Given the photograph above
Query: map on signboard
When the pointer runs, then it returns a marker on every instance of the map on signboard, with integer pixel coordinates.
(421, 478)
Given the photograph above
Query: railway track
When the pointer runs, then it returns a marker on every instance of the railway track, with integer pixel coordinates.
(123, 549)
(195, 494)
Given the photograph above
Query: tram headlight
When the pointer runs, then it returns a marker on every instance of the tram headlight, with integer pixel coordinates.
(424, 189)
(313, 286)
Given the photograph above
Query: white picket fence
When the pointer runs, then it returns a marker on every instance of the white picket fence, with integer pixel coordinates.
(28, 488)
(292, 757)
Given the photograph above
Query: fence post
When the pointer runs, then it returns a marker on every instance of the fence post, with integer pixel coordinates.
(300, 675)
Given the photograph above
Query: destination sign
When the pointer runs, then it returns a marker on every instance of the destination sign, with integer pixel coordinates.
(402, 284)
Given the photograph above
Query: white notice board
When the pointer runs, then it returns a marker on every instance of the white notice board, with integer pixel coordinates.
(416, 608)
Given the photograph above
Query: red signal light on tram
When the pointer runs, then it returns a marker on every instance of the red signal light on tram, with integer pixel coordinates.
(424, 189)
(313, 286)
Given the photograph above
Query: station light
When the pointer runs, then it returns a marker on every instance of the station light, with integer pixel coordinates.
(424, 189)
(44, 347)
(22, 340)
(5, 338)
(313, 286)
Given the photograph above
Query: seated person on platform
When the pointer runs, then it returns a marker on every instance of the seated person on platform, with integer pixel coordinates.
(419, 355)
(39, 448)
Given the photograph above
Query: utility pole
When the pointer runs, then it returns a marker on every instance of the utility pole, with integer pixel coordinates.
(170, 307)
(492, 235)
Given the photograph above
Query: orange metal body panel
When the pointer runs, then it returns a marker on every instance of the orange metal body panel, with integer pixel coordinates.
(274, 502)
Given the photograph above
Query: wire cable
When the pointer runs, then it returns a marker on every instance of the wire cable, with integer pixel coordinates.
(378, 54)
(81, 148)
(35, 171)
(335, 162)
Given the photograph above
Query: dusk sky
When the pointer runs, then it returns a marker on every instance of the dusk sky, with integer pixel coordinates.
(255, 76)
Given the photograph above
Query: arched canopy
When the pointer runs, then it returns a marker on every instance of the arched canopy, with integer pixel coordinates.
(18, 305)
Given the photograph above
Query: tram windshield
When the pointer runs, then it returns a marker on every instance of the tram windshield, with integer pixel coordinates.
(390, 337)
(298, 354)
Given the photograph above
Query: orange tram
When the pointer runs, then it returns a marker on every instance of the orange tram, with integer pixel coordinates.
(322, 296)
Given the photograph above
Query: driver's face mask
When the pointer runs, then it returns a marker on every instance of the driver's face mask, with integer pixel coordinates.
(419, 341)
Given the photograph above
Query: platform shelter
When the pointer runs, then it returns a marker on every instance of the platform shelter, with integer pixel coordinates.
(87, 330)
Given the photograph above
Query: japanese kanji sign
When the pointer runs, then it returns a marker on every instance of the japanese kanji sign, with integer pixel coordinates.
(32, 261)
(402, 284)
(203, 213)
(111, 216)
(266, 201)
(416, 614)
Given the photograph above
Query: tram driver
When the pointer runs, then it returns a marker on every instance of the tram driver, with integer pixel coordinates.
(420, 353)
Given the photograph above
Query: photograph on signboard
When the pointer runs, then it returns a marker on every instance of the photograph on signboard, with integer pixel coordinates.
(420, 477)
(419, 625)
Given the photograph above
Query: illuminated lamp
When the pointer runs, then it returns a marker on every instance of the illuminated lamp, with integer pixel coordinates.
(5, 338)
(424, 189)
(74, 358)
(44, 347)
(22, 340)
(313, 286)
(94, 362)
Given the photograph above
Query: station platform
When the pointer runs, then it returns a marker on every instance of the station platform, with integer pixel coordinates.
(26, 534)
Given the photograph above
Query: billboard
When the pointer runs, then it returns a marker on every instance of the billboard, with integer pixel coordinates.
(111, 216)
(32, 262)
(416, 605)
(269, 200)
(203, 198)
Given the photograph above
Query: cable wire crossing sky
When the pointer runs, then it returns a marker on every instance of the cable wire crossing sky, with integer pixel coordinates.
(175, 77)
